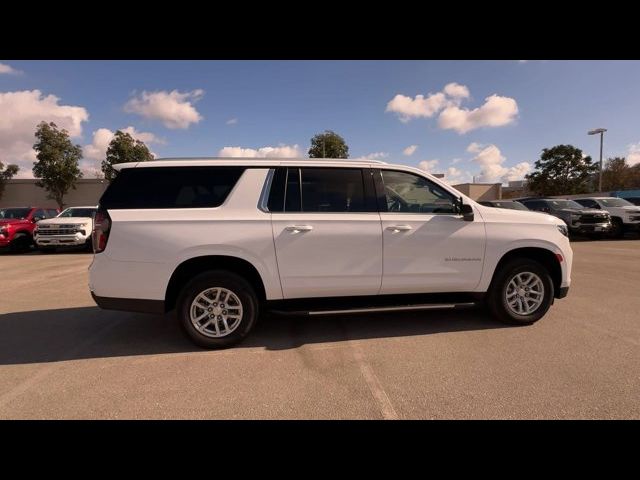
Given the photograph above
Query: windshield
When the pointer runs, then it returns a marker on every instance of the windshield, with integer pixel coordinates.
(510, 205)
(78, 212)
(566, 204)
(14, 213)
(615, 202)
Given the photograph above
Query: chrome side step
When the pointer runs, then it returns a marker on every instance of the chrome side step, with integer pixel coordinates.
(399, 308)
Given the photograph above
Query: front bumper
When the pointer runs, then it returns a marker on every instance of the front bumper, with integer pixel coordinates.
(562, 292)
(590, 228)
(4, 241)
(51, 240)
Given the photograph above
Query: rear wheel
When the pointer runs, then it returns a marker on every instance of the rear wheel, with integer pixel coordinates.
(521, 292)
(217, 309)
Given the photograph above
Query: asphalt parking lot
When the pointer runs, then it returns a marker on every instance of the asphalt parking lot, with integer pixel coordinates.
(62, 357)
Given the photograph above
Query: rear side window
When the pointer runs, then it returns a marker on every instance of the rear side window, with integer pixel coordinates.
(319, 189)
(170, 187)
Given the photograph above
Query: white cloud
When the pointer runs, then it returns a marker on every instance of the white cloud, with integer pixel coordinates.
(454, 176)
(21, 113)
(232, 121)
(428, 165)
(474, 147)
(492, 169)
(8, 70)
(281, 151)
(455, 90)
(495, 112)
(455, 160)
(410, 150)
(97, 149)
(633, 155)
(407, 108)
(174, 109)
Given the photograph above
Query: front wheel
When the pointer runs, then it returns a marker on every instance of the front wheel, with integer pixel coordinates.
(217, 309)
(521, 292)
(617, 228)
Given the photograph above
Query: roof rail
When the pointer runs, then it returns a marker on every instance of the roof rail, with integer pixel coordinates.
(364, 160)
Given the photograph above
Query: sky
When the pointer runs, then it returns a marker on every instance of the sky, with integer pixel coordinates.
(487, 120)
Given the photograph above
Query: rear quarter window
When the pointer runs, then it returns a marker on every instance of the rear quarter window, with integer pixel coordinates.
(170, 187)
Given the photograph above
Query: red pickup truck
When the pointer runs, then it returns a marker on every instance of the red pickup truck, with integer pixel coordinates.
(17, 225)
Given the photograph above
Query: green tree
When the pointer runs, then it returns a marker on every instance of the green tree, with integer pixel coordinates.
(57, 166)
(616, 174)
(561, 170)
(328, 145)
(124, 148)
(6, 174)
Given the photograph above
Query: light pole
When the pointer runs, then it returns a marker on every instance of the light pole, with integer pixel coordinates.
(601, 132)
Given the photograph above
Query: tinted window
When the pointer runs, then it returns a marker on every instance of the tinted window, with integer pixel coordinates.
(276, 191)
(78, 212)
(409, 193)
(39, 213)
(14, 213)
(534, 204)
(292, 191)
(52, 213)
(171, 187)
(333, 190)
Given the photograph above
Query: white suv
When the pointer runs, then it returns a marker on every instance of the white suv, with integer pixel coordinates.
(221, 240)
(625, 216)
(72, 227)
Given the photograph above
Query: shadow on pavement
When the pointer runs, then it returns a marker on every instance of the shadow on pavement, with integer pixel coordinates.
(83, 333)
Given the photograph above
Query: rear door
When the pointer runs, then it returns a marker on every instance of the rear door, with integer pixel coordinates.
(327, 232)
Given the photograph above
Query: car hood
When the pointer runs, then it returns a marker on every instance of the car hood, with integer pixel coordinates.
(13, 221)
(516, 216)
(65, 221)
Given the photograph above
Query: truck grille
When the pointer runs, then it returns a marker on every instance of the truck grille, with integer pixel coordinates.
(594, 218)
(58, 230)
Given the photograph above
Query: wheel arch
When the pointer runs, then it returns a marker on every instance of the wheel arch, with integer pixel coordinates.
(200, 264)
(542, 255)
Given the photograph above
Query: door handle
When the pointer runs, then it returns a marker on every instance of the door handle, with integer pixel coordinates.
(400, 228)
(298, 228)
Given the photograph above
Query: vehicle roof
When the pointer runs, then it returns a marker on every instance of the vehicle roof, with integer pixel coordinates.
(593, 198)
(251, 162)
(31, 208)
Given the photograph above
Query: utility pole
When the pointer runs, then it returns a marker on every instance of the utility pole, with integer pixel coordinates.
(601, 132)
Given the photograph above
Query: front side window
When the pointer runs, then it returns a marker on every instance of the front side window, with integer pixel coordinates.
(615, 202)
(408, 193)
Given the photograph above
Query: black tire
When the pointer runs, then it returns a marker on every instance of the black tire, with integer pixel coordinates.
(617, 228)
(47, 249)
(218, 279)
(496, 298)
(21, 243)
(88, 245)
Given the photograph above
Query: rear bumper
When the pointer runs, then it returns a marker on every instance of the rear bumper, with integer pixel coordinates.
(129, 304)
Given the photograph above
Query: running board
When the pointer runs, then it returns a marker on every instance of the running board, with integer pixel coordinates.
(400, 308)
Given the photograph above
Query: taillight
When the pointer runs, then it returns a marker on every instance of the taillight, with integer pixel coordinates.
(101, 228)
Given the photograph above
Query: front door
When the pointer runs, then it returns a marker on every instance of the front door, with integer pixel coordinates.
(428, 247)
(326, 231)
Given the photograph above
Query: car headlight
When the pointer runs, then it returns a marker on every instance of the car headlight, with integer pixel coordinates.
(563, 230)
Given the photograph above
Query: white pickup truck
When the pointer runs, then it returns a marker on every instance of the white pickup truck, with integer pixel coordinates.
(72, 227)
(220, 240)
(625, 216)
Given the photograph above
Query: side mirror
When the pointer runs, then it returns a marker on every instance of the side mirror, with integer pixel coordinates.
(467, 212)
